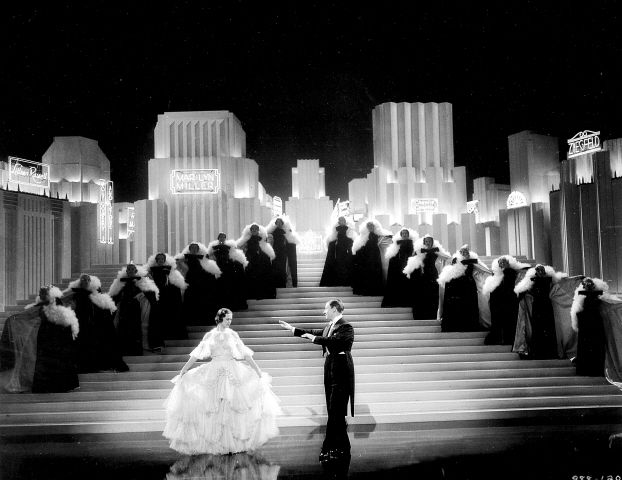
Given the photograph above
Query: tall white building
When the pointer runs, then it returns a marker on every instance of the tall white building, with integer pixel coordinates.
(414, 176)
(309, 208)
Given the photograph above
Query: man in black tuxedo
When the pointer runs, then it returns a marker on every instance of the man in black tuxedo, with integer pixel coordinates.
(337, 338)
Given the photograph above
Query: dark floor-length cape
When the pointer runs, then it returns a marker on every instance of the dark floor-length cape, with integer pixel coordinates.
(231, 285)
(611, 313)
(589, 324)
(166, 321)
(259, 253)
(200, 301)
(536, 336)
(338, 265)
(133, 297)
(423, 268)
(56, 369)
(460, 307)
(399, 289)
(503, 300)
(97, 344)
(285, 264)
(367, 272)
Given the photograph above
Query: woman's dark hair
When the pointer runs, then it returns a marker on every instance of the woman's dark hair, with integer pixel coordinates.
(221, 314)
(338, 304)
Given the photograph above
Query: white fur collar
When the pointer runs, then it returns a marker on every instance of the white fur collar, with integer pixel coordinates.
(350, 232)
(235, 253)
(364, 234)
(492, 282)
(290, 233)
(525, 284)
(145, 284)
(263, 244)
(416, 261)
(451, 272)
(169, 262)
(579, 300)
(459, 257)
(94, 286)
(394, 247)
(210, 266)
(174, 276)
(63, 316)
(53, 292)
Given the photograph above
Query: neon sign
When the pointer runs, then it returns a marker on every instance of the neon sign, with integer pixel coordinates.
(277, 206)
(27, 172)
(104, 212)
(425, 205)
(130, 222)
(195, 181)
(583, 143)
(515, 200)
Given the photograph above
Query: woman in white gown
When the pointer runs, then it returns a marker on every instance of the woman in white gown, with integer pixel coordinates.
(225, 405)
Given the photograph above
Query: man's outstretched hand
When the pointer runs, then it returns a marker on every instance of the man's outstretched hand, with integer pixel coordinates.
(286, 325)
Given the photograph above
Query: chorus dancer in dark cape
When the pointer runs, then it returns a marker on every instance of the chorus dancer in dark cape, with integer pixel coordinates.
(460, 305)
(134, 293)
(230, 286)
(336, 338)
(367, 272)
(499, 287)
(260, 254)
(399, 288)
(98, 346)
(588, 322)
(535, 336)
(166, 320)
(338, 266)
(284, 241)
(56, 367)
(423, 270)
(201, 273)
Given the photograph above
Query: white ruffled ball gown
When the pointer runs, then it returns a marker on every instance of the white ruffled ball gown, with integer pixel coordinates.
(221, 406)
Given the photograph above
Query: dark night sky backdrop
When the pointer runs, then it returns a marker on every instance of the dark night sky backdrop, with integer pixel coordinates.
(303, 79)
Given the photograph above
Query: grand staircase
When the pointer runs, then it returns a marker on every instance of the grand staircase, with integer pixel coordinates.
(407, 371)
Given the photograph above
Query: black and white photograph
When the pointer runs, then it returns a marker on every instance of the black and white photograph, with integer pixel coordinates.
(311, 240)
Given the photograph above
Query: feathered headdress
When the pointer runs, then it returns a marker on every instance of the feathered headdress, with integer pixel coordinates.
(491, 283)
(525, 284)
(101, 300)
(210, 266)
(235, 253)
(416, 261)
(394, 247)
(364, 234)
(350, 232)
(53, 292)
(174, 276)
(145, 284)
(290, 233)
(263, 244)
(579, 300)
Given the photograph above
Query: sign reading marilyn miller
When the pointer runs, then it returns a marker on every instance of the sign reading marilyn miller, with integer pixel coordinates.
(195, 181)
(425, 205)
(30, 173)
(584, 142)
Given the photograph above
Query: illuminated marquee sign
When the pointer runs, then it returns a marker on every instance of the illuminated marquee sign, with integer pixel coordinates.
(583, 143)
(277, 206)
(27, 172)
(515, 200)
(104, 213)
(311, 242)
(425, 205)
(344, 208)
(131, 216)
(195, 181)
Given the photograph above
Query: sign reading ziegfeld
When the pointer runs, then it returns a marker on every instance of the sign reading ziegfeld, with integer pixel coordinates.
(195, 181)
(584, 142)
(28, 172)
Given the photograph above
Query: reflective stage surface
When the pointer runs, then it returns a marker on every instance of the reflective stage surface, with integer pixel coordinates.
(429, 451)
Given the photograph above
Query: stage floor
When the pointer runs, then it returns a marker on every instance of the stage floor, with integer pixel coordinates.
(428, 451)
